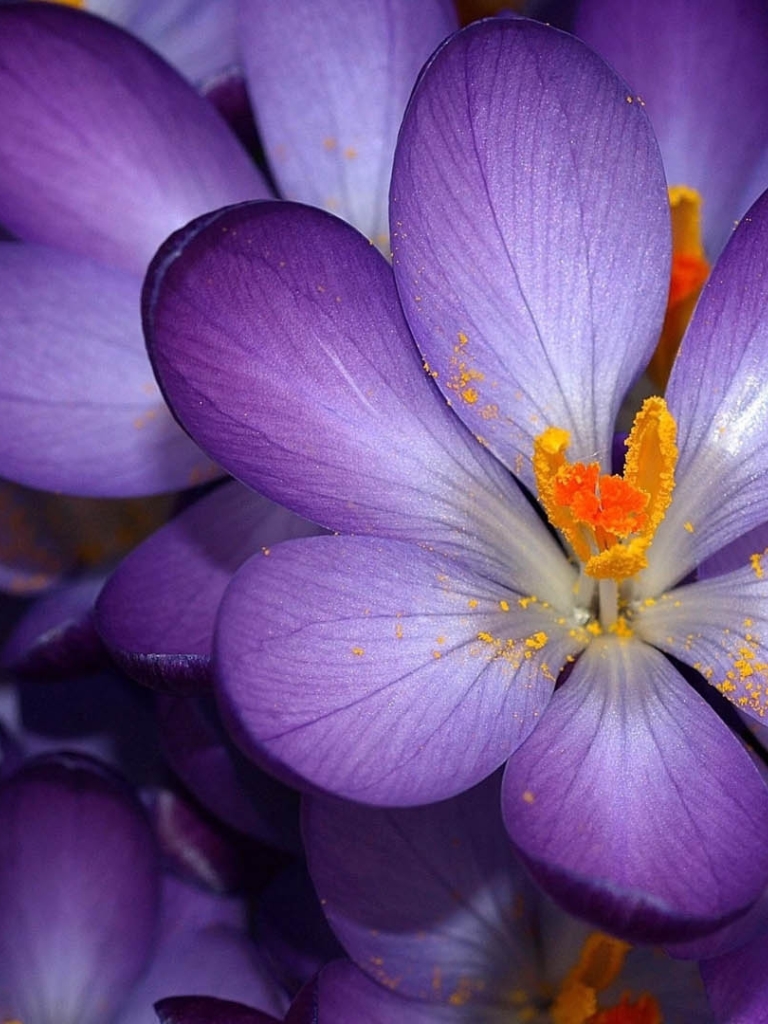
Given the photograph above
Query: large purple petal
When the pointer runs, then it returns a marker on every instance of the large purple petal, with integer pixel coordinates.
(737, 983)
(634, 805)
(277, 336)
(329, 84)
(105, 150)
(80, 408)
(530, 231)
(78, 892)
(718, 393)
(702, 72)
(379, 671)
(157, 610)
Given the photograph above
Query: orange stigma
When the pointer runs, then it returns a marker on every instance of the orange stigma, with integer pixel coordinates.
(690, 270)
(610, 520)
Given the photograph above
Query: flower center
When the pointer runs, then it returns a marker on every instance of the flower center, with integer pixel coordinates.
(690, 270)
(610, 520)
(599, 965)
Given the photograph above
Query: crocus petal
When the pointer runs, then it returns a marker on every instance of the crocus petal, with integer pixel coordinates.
(329, 84)
(32, 557)
(197, 37)
(232, 788)
(157, 610)
(430, 901)
(78, 914)
(718, 393)
(379, 671)
(105, 150)
(342, 994)
(634, 805)
(720, 628)
(80, 408)
(208, 1010)
(277, 336)
(57, 636)
(530, 231)
(737, 984)
(702, 72)
(736, 554)
(211, 959)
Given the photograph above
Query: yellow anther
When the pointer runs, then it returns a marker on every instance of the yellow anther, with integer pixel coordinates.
(610, 520)
(600, 963)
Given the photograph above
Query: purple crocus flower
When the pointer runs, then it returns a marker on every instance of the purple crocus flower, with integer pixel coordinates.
(434, 907)
(90, 933)
(406, 659)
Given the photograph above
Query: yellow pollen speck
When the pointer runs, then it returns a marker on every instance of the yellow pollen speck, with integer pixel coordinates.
(399, 630)
(756, 561)
(536, 641)
(525, 601)
(688, 526)
(358, 651)
(504, 605)
(329, 143)
(437, 654)
(472, 602)
(485, 637)
(350, 153)
(528, 796)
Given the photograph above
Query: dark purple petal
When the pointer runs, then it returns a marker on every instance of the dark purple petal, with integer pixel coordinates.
(342, 994)
(80, 408)
(157, 610)
(379, 671)
(736, 554)
(78, 892)
(702, 72)
(208, 1010)
(105, 150)
(57, 637)
(530, 231)
(634, 805)
(430, 901)
(329, 83)
(226, 783)
(737, 983)
(718, 393)
(32, 555)
(276, 333)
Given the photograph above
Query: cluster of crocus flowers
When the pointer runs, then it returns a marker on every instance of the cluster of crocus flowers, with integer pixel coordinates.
(496, 646)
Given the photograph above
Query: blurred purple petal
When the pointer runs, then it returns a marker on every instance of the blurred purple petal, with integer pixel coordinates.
(157, 610)
(627, 777)
(342, 994)
(701, 70)
(231, 787)
(105, 150)
(276, 333)
(737, 983)
(530, 230)
(329, 83)
(208, 1010)
(82, 413)
(379, 671)
(77, 917)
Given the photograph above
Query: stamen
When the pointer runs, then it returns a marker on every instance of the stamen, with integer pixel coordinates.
(610, 520)
(690, 270)
(600, 963)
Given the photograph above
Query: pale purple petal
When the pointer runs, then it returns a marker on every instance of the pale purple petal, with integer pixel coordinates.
(277, 336)
(634, 805)
(380, 672)
(105, 150)
(719, 627)
(701, 70)
(80, 408)
(530, 231)
(329, 83)
(78, 914)
(157, 610)
(718, 393)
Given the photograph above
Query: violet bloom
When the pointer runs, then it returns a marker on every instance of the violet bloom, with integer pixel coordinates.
(406, 659)
(434, 907)
(90, 933)
(105, 150)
